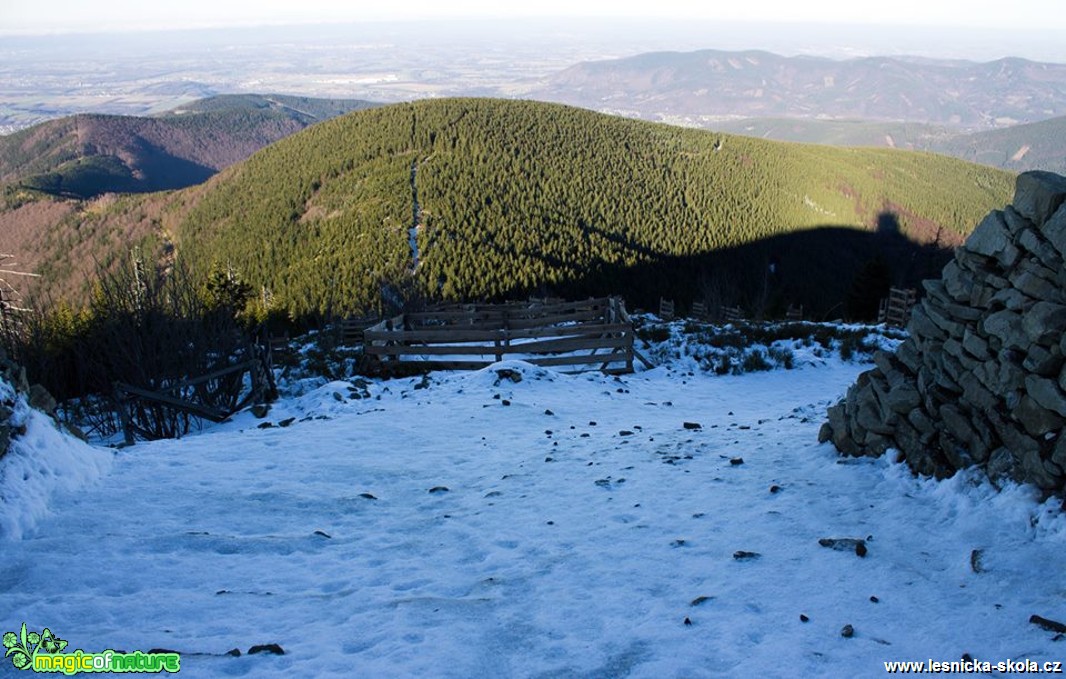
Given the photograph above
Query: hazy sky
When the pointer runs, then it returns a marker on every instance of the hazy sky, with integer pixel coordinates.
(28, 16)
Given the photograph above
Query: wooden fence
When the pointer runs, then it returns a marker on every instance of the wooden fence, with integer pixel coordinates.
(596, 334)
(164, 412)
(896, 308)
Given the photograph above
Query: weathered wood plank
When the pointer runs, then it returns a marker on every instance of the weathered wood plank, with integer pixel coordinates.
(185, 406)
(539, 347)
(457, 335)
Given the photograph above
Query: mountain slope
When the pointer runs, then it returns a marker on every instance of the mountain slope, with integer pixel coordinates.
(509, 198)
(1035, 146)
(516, 197)
(87, 155)
(1018, 148)
(712, 84)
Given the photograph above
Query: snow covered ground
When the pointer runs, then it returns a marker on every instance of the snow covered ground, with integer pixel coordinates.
(557, 526)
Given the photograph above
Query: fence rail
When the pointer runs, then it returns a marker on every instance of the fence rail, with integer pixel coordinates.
(213, 396)
(896, 308)
(594, 334)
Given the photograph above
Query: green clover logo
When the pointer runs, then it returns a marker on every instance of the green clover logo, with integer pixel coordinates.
(22, 647)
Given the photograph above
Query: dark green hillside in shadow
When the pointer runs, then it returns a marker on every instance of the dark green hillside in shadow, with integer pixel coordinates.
(518, 197)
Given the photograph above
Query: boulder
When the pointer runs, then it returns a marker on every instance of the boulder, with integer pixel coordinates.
(1055, 231)
(1036, 419)
(1046, 393)
(958, 282)
(1000, 465)
(1036, 245)
(992, 239)
(1038, 195)
(976, 345)
(975, 393)
(1058, 453)
(1011, 299)
(1045, 322)
(1016, 222)
(908, 355)
(1036, 286)
(1043, 362)
(1007, 327)
(40, 399)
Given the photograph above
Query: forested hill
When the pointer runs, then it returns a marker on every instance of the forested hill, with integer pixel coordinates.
(87, 155)
(516, 197)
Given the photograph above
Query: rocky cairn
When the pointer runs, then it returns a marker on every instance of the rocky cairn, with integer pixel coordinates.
(980, 380)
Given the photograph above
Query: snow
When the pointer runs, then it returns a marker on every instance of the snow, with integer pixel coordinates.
(436, 528)
(41, 464)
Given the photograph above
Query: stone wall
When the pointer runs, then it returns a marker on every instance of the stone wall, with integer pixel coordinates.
(980, 381)
(16, 390)
(15, 377)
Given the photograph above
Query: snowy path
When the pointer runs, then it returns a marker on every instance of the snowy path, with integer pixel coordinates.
(578, 553)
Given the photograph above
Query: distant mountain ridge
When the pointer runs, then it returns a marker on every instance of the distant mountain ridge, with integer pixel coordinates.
(86, 155)
(712, 84)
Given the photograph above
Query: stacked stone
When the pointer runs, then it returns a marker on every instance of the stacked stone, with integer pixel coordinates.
(14, 375)
(981, 378)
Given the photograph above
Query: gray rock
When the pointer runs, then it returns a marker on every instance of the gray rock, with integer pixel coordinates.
(992, 238)
(1036, 286)
(954, 347)
(886, 363)
(1044, 362)
(997, 282)
(942, 321)
(975, 392)
(1034, 471)
(1007, 327)
(837, 420)
(960, 313)
(1032, 265)
(981, 295)
(1046, 393)
(973, 262)
(1045, 322)
(877, 445)
(1038, 194)
(1036, 419)
(1000, 465)
(1000, 377)
(40, 399)
(958, 282)
(923, 424)
(956, 455)
(1058, 453)
(1011, 299)
(1034, 243)
(869, 418)
(921, 325)
(935, 288)
(1015, 221)
(955, 369)
(976, 345)
(902, 399)
(957, 423)
(908, 355)
(1055, 231)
